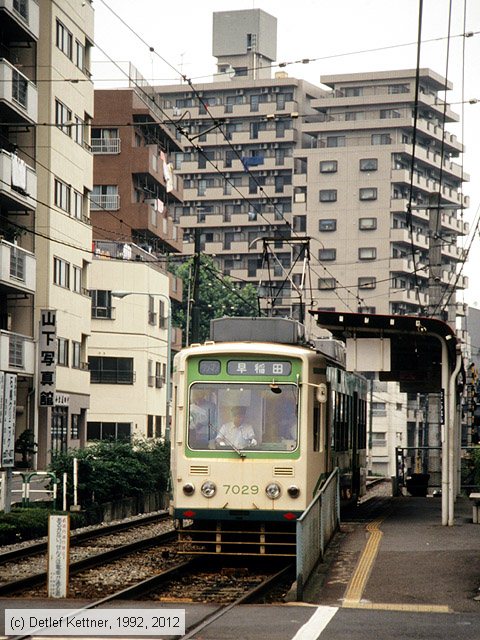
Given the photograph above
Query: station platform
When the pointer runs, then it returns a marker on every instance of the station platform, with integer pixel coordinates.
(403, 559)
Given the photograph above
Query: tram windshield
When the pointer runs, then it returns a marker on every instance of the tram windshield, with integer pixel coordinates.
(262, 417)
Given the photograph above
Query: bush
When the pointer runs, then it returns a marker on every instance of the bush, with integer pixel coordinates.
(8, 533)
(114, 470)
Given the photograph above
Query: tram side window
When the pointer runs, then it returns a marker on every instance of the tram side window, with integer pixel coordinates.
(316, 426)
(362, 425)
(341, 422)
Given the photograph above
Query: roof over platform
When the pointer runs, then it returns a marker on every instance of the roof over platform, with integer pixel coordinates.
(416, 345)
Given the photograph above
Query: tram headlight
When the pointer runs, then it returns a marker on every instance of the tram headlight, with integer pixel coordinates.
(293, 491)
(209, 489)
(273, 490)
(188, 489)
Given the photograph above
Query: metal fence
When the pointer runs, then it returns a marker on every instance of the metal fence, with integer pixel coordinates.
(315, 529)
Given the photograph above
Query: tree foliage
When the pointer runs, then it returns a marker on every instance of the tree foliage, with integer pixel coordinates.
(218, 296)
(114, 470)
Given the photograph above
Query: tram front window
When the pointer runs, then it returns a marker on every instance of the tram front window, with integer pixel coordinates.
(260, 417)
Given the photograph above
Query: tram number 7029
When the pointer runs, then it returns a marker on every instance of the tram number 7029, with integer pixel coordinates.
(243, 489)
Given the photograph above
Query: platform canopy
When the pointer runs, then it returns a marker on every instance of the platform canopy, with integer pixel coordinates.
(415, 345)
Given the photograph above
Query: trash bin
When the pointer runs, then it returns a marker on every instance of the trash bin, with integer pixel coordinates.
(417, 484)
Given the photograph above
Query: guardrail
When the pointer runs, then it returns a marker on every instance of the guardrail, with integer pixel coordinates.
(315, 529)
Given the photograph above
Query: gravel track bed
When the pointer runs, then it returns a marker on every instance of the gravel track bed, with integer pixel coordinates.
(112, 577)
(38, 564)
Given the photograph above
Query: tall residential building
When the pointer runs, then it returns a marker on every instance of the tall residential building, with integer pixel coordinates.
(19, 35)
(134, 185)
(134, 190)
(283, 158)
(63, 234)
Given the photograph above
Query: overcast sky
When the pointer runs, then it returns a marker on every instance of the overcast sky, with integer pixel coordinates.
(333, 32)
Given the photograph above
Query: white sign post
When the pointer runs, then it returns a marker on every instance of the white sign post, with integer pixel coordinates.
(8, 411)
(58, 555)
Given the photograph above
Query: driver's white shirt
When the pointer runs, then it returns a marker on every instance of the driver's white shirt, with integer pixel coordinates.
(240, 437)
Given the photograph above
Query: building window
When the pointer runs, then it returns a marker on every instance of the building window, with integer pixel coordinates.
(76, 354)
(367, 253)
(386, 114)
(106, 140)
(327, 225)
(77, 205)
(353, 92)
(21, 7)
(335, 141)
(327, 254)
(62, 353)
(61, 273)
(75, 426)
(368, 193)
(368, 164)
(398, 88)
(328, 166)
(62, 195)
(63, 115)
(79, 55)
(328, 195)
(300, 223)
(15, 352)
(381, 138)
(19, 88)
(64, 39)
(105, 197)
(367, 282)
(78, 128)
(17, 264)
(367, 224)
(77, 279)
(101, 303)
(110, 370)
(326, 283)
(109, 430)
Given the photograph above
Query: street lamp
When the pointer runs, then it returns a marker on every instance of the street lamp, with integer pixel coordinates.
(124, 294)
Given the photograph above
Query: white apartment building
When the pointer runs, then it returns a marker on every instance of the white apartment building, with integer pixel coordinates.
(130, 342)
(62, 225)
(351, 166)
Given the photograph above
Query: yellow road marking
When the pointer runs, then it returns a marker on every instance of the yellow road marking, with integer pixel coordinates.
(358, 582)
(387, 606)
(359, 579)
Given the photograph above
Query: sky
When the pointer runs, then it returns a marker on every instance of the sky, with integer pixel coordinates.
(339, 36)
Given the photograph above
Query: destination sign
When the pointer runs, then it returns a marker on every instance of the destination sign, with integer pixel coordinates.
(258, 368)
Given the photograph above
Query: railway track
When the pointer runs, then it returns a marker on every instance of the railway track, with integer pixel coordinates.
(76, 538)
(249, 589)
(106, 549)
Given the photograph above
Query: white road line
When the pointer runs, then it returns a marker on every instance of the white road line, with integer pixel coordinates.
(317, 623)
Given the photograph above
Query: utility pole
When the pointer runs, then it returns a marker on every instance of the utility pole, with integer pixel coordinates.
(196, 289)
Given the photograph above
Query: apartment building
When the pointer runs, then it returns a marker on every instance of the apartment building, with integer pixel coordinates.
(63, 232)
(130, 348)
(19, 36)
(282, 158)
(134, 184)
(134, 189)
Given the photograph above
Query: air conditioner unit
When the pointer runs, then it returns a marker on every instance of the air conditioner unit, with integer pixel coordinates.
(263, 228)
(264, 146)
(238, 147)
(238, 229)
(237, 256)
(265, 90)
(239, 92)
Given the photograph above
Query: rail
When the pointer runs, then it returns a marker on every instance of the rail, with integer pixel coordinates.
(315, 529)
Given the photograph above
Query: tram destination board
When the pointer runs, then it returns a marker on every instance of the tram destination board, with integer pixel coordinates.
(259, 368)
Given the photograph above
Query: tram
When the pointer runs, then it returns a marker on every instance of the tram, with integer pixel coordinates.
(260, 420)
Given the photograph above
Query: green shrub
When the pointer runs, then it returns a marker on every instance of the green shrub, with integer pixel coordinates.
(8, 533)
(114, 470)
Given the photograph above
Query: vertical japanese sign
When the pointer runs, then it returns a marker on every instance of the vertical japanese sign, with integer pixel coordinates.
(8, 409)
(47, 356)
(58, 555)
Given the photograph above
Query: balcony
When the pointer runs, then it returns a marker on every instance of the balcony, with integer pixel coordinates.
(18, 96)
(17, 268)
(104, 202)
(24, 15)
(104, 146)
(17, 353)
(18, 183)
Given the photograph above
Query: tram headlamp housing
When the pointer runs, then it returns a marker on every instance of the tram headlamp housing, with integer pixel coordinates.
(293, 491)
(188, 489)
(208, 489)
(273, 490)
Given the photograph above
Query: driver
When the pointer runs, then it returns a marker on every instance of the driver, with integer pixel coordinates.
(236, 433)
